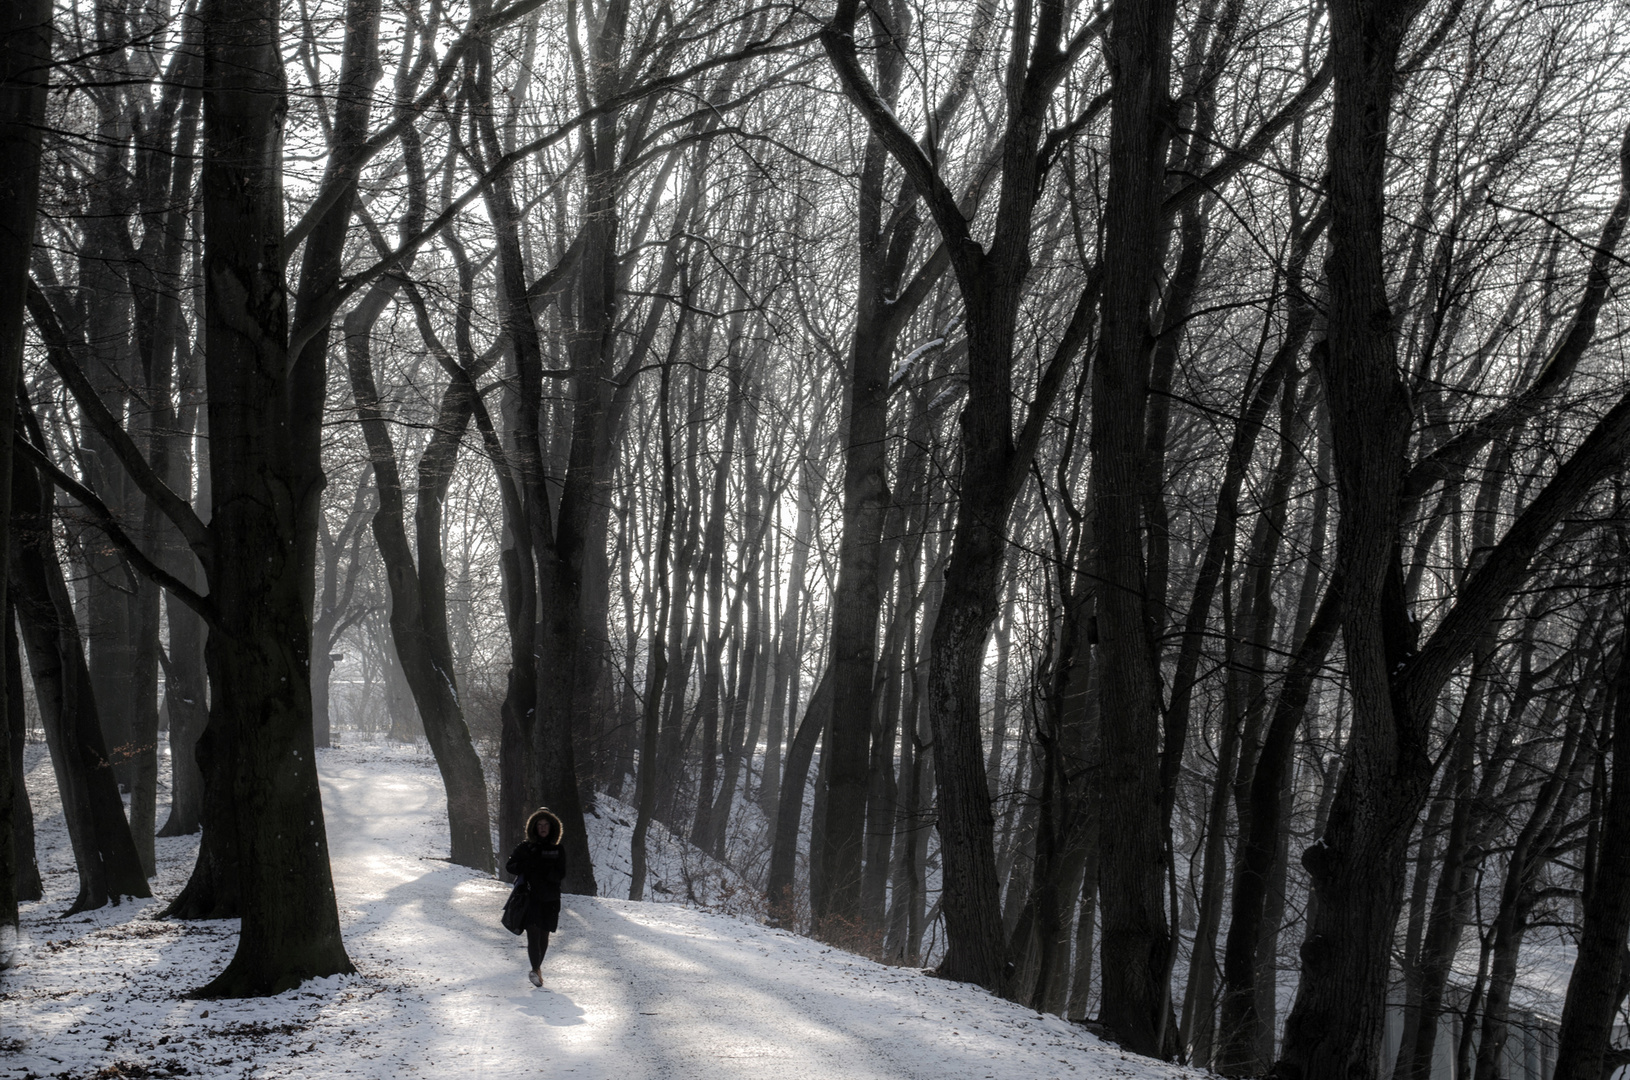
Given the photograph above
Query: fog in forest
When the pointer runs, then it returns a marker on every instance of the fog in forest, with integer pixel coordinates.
(1124, 505)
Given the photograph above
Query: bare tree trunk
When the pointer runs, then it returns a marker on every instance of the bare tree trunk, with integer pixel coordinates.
(25, 55)
(186, 682)
(1520, 891)
(1357, 865)
(333, 615)
(784, 853)
(1454, 895)
(104, 852)
(994, 462)
(645, 783)
(1065, 809)
(788, 666)
(883, 788)
(105, 316)
(266, 420)
(186, 697)
(418, 591)
(417, 574)
(738, 747)
(707, 704)
(1597, 984)
(857, 601)
(25, 874)
(1239, 1032)
(1137, 943)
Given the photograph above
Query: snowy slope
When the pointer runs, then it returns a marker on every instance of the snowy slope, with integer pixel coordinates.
(632, 991)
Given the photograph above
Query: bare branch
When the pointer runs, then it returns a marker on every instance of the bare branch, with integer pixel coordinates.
(59, 352)
(105, 521)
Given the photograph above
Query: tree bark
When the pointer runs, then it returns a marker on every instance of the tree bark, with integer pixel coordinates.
(788, 818)
(885, 243)
(994, 462)
(645, 783)
(1595, 987)
(418, 587)
(1357, 866)
(1239, 1038)
(104, 850)
(265, 417)
(707, 702)
(1137, 942)
(788, 666)
(26, 868)
(25, 58)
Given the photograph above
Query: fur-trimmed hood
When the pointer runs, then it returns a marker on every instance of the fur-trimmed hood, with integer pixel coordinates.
(544, 814)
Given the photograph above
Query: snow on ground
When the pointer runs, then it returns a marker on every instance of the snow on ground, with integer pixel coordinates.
(677, 872)
(632, 991)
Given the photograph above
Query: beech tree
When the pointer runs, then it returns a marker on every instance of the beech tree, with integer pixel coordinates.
(25, 45)
(1357, 866)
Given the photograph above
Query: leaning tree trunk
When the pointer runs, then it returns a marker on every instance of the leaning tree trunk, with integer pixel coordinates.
(265, 421)
(418, 586)
(26, 867)
(418, 612)
(784, 850)
(104, 851)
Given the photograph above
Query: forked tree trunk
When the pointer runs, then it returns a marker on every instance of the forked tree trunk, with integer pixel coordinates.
(1356, 868)
(994, 461)
(418, 607)
(265, 417)
(784, 851)
(418, 587)
(857, 600)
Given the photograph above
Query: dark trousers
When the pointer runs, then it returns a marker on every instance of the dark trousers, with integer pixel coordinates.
(537, 942)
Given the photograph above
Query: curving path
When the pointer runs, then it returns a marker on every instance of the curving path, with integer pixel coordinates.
(632, 991)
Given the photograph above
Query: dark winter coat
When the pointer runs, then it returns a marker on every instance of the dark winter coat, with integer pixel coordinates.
(542, 861)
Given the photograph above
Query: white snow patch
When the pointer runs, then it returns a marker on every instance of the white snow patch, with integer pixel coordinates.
(631, 991)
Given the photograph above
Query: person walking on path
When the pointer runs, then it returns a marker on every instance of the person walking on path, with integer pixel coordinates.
(540, 859)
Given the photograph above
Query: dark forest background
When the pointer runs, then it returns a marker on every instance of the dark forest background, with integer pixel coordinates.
(1122, 503)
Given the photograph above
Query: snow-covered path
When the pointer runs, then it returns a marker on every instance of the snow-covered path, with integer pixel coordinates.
(632, 991)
